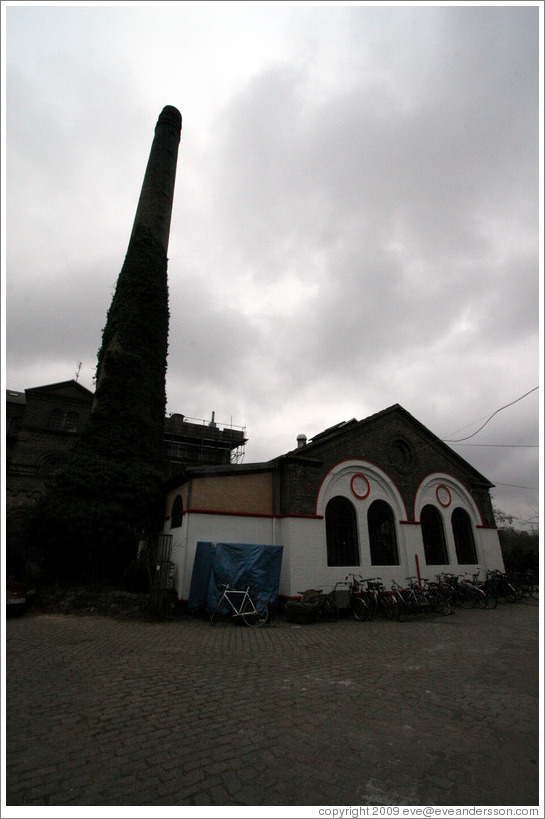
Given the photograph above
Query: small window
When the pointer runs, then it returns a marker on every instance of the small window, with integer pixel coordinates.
(177, 513)
(463, 537)
(382, 534)
(71, 422)
(65, 421)
(56, 419)
(433, 536)
(341, 533)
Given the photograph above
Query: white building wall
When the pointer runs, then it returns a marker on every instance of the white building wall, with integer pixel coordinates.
(212, 529)
(490, 549)
(413, 551)
(304, 561)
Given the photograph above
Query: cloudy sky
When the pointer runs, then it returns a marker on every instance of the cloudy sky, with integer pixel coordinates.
(355, 220)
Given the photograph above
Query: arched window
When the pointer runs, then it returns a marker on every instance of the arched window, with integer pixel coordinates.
(463, 536)
(341, 533)
(177, 513)
(382, 534)
(433, 535)
(50, 464)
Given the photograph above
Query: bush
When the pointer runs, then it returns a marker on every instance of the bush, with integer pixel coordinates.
(135, 578)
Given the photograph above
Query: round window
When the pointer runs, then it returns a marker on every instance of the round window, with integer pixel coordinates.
(360, 486)
(402, 455)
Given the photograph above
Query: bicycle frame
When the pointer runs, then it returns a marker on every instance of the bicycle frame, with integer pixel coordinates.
(246, 607)
(225, 598)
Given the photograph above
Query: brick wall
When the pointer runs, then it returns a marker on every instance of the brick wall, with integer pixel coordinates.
(403, 451)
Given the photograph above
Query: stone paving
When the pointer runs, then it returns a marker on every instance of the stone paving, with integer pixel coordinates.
(436, 711)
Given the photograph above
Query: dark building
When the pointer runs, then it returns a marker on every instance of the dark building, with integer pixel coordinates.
(44, 423)
(382, 497)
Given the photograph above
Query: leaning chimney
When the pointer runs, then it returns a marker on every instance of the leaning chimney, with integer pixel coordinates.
(154, 209)
(108, 491)
(141, 296)
(301, 440)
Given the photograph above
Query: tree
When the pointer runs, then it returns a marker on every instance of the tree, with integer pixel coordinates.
(520, 547)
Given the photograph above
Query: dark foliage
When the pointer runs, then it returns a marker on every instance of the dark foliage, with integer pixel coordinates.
(520, 549)
(136, 577)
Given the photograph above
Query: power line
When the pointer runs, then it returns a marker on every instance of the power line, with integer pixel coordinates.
(517, 486)
(455, 441)
(509, 446)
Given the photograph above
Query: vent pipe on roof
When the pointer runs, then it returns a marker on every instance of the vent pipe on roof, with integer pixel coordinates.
(301, 440)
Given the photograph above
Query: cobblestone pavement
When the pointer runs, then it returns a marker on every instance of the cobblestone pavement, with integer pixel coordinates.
(436, 711)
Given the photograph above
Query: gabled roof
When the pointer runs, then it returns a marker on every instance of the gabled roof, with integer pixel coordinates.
(14, 397)
(61, 387)
(395, 411)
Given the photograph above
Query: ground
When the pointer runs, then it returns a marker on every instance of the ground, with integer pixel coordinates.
(124, 711)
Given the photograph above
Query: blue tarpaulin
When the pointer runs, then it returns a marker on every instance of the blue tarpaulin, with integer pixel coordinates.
(238, 564)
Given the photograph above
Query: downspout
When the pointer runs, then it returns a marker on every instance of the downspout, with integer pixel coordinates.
(186, 534)
(274, 474)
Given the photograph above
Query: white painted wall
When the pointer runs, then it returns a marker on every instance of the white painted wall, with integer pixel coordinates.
(214, 529)
(304, 562)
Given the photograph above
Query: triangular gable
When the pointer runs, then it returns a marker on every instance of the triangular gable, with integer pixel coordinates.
(65, 389)
(393, 413)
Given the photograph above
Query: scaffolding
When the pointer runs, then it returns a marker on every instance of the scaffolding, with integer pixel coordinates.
(196, 442)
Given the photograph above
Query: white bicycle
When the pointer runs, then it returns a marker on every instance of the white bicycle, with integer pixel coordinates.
(238, 603)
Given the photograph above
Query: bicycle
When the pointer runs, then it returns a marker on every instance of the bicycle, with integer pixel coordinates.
(358, 605)
(439, 602)
(320, 605)
(486, 586)
(501, 587)
(382, 600)
(463, 592)
(413, 597)
(448, 583)
(476, 593)
(240, 604)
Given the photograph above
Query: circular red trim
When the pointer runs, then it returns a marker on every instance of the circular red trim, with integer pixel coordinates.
(441, 489)
(359, 494)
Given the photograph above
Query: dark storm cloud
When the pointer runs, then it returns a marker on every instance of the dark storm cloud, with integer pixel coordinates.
(355, 220)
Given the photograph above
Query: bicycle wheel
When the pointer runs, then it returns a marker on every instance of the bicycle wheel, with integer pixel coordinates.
(215, 614)
(465, 597)
(509, 593)
(331, 611)
(480, 598)
(401, 610)
(434, 600)
(326, 609)
(448, 592)
(443, 604)
(491, 598)
(389, 606)
(255, 614)
(360, 610)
